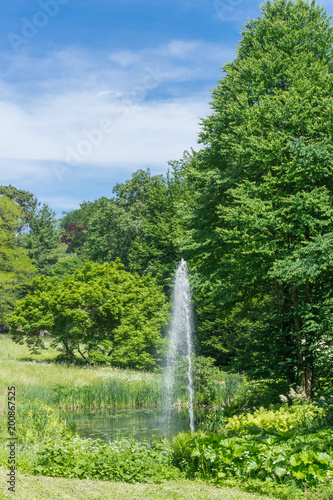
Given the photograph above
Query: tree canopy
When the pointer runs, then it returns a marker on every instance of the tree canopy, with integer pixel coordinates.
(100, 313)
(16, 267)
(261, 218)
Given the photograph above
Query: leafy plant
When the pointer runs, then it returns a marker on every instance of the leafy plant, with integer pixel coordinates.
(123, 460)
(37, 422)
(281, 420)
(304, 459)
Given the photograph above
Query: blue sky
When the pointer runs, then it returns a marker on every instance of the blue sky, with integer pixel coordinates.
(92, 90)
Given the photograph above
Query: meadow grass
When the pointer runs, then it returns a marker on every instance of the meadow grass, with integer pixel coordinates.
(39, 377)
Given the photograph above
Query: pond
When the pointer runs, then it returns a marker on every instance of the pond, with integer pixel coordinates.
(139, 424)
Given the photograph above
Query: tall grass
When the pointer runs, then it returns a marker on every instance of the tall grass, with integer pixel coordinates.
(119, 389)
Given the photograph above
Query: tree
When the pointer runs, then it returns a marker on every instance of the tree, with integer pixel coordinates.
(74, 225)
(42, 240)
(100, 312)
(16, 267)
(156, 250)
(25, 199)
(260, 228)
(112, 231)
(141, 225)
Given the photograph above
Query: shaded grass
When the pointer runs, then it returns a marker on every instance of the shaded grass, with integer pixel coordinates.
(40, 488)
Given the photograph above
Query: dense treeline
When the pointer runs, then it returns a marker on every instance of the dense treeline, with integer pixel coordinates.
(251, 211)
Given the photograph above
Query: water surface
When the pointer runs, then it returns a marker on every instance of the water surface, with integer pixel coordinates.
(139, 424)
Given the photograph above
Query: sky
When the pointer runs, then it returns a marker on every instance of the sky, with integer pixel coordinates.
(93, 90)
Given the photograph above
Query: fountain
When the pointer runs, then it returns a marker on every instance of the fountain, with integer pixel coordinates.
(180, 341)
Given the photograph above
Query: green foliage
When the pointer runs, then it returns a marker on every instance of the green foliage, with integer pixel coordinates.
(260, 219)
(282, 420)
(74, 225)
(157, 249)
(124, 460)
(16, 268)
(98, 307)
(256, 393)
(214, 421)
(303, 459)
(212, 386)
(325, 411)
(36, 422)
(112, 231)
(140, 225)
(42, 241)
(66, 265)
(26, 200)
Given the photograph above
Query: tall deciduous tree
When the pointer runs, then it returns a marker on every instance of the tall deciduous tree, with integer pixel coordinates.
(16, 267)
(140, 225)
(260, 238)
(42, 241)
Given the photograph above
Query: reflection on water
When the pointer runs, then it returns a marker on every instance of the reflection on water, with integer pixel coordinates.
(139, 424)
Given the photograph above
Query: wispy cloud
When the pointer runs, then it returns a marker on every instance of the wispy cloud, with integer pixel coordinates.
(67, 95)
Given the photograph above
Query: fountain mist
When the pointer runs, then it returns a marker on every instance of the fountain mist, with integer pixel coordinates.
(180, 339)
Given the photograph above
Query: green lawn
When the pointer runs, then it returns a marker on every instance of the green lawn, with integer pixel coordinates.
(40, 488)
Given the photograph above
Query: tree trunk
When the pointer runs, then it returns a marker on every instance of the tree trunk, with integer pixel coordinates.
(306, 381)
(285, 338)
(305, 370)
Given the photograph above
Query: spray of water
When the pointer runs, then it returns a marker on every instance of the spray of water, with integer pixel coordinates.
(181, 336)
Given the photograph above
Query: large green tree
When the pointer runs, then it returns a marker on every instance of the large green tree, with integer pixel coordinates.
(42, 239)
(16, 268)
(25, 199)
(156, 250)
(260, 229)
(99, 313)
(140, 224)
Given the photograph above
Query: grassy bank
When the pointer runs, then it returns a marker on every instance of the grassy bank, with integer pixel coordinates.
(40, 488)
(38, 377)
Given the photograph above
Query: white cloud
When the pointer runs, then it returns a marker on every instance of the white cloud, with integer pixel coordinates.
(71, 93)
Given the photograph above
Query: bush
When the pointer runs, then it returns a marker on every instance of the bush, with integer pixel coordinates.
(123, 460)
(284, 419)
(255, 394)
(303, 459)
(212, 386)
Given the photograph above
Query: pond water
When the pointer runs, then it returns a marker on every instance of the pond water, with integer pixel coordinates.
(139, 424)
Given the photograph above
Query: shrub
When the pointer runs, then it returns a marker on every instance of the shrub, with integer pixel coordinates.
(212, 386)
(257, 393)
(123, 460)
(284, 419)
(304, 459)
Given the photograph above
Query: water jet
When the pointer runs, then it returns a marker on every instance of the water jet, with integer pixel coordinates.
(180, 342)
